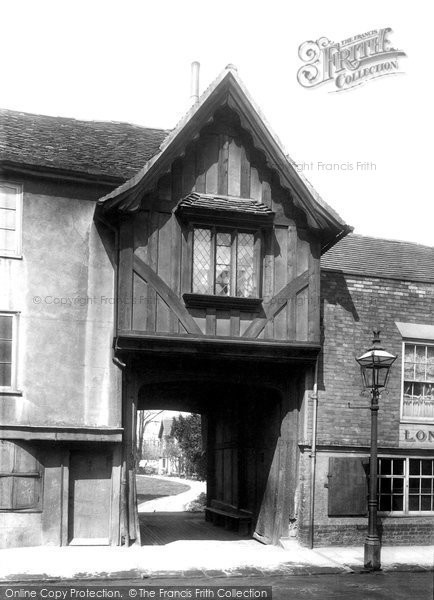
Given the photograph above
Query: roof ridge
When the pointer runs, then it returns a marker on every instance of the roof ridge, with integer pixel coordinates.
(87, 121)
(392, 240)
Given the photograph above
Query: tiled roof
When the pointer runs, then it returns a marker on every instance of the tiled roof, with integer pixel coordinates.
(225, 203)
(392, 259)
(98, 148)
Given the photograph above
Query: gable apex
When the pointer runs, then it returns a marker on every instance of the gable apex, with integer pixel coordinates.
(228, 90)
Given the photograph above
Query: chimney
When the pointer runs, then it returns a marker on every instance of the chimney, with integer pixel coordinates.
(194, 95)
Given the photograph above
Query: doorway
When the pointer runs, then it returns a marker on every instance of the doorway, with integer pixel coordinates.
(89, 499)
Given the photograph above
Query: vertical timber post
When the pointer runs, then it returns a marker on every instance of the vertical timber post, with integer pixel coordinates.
(130, 530)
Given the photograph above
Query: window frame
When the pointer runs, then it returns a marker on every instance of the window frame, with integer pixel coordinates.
(407, 418)
(18, 251)
(13, 387)
(37, 474)
(405, 512)
(234, 231)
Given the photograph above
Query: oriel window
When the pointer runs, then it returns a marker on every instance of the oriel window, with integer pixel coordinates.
(225, 262)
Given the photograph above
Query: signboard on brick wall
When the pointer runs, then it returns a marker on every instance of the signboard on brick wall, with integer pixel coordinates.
(415, 435)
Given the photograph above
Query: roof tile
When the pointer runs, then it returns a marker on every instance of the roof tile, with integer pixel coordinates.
(90, 147)
(390, 259)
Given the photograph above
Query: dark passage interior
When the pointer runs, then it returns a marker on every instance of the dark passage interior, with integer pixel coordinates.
(240, 431)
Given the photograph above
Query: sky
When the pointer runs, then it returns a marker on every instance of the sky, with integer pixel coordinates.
(130, 61)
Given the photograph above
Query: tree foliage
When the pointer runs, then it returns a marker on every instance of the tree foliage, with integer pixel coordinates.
(188, 432)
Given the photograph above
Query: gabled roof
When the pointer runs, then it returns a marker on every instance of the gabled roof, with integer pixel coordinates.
(229, 90)
(376, 257)
(109, 150)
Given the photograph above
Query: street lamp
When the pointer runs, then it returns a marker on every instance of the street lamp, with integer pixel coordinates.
(375, 368)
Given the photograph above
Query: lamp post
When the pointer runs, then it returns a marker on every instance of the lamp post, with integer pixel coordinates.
(375, 368)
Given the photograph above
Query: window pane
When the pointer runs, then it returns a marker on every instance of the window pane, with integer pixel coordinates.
(409, 371)
(5, 492)
(398, 502)
(5, 375)
(427, 467)
(384, 503)
(430, 371)
(409, 353)
(385, 485)
(414, 485)
(8, 197)
(245, 262)
(398, 485)
(414, 466)
(6, 327)
(425, 502)
(7, 218)
(398, 466)
(417, 390)
(413, 503)
(430, 355)
(223, 264)
(385, 466)
(420, 354)
(419, 372)
(425, 485)
(7, 240)
(202, 261)
(5, 351)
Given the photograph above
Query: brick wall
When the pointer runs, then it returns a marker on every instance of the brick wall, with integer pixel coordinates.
(351, 307)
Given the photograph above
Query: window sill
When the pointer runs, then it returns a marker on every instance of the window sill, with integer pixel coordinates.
(10, 392)
(223, 302)
(14, 256)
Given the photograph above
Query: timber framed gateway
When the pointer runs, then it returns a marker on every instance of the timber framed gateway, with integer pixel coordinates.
(218, 307)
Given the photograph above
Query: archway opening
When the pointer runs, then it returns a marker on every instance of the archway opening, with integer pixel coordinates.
(239, 429)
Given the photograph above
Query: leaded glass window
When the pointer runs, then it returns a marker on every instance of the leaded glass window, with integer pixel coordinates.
(418, 385)
(224, 262)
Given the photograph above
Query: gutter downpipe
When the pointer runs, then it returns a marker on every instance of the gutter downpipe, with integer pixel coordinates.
(314, 397)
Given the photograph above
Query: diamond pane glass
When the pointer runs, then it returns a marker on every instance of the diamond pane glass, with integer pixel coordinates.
(245, 262)
(202, 261)
(223, 264)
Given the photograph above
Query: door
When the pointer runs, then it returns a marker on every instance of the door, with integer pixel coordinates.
(89, 497)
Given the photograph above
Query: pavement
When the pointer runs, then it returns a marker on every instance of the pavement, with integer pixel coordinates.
(186, 559)
(183, 547)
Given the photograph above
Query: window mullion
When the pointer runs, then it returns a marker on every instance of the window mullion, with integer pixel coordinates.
(212, 277)
(234, 266)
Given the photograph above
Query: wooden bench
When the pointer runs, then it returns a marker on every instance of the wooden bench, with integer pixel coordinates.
(220, 513)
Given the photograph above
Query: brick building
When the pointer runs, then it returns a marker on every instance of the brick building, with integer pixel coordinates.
(369, 283)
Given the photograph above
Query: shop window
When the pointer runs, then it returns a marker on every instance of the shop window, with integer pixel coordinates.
(20, 478)
(418, 382)
(405, 486)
